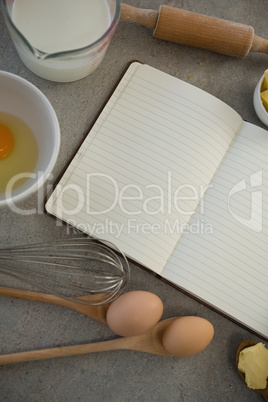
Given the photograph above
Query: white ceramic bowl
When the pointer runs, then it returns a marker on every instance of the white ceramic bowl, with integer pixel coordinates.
(259, 108)
(22, 99)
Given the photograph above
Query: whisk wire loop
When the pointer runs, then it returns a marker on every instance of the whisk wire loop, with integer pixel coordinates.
(70, 268)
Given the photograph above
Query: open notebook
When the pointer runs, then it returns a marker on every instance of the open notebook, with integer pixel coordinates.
(178, 181)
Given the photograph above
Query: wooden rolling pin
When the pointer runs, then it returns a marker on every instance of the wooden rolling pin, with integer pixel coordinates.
(197, 30)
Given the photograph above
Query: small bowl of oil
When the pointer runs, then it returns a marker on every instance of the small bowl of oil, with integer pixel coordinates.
(29, 138)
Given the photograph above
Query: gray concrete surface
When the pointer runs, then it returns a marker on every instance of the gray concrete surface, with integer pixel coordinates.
(25, 325)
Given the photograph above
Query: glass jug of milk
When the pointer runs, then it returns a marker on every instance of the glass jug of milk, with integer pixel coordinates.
(61, 40)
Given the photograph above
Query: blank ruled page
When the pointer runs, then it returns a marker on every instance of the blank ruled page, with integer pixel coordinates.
(223, 256)
(142, 170)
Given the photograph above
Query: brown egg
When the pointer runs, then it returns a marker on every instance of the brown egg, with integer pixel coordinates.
(134, 313)
(187, 336)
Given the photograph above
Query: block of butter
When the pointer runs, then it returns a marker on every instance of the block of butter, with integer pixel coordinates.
(264, 90)
(264, 98)
(265, 81)
(253, 362)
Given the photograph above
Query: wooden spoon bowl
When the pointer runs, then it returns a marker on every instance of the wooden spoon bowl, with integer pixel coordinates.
(243, 345)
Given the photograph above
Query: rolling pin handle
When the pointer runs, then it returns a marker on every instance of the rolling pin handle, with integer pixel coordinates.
(259, 45)
(146, 18)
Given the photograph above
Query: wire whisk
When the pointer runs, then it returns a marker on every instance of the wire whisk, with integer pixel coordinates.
(70, 268)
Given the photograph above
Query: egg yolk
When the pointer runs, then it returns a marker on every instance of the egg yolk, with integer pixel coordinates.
(6, 141)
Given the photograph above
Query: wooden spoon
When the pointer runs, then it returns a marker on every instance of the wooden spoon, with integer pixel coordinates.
(97, 312)
(151, 341)
(197, 30)
(243, 345)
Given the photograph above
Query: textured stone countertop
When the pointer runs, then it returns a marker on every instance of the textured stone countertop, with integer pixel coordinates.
(24, 325)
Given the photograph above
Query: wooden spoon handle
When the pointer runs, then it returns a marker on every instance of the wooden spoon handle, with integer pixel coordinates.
(96, 312)
(148, 342)
(27, 295)
(197, 30)
(61, 351)
(265, 394)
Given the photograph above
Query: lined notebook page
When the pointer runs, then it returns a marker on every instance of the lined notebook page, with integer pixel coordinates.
(228, 268)
(145, 164)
